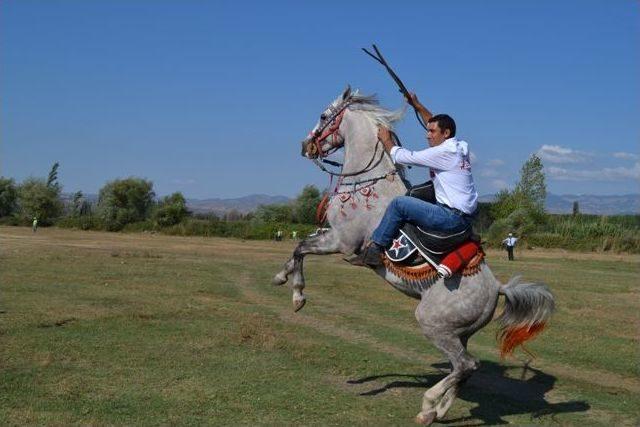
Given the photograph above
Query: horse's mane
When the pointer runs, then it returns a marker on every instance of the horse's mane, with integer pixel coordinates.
(370, 105)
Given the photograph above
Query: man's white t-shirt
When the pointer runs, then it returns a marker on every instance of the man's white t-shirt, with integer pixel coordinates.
(450, 171)
(510, 241)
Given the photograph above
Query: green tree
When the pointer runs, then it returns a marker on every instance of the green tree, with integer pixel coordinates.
(52, 180)
(528, 195)
(171, 210)
(76, 203)
(505, 203)
(124, 201)
(8, 196)
(306, 204)
(37, 199)
(532, 184)
(274, 213)
(233, 215)
(520, 211)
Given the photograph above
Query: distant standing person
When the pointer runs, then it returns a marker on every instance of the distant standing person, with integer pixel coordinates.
(510, 243)
(279, 236)
(294, 235)
(34, 226)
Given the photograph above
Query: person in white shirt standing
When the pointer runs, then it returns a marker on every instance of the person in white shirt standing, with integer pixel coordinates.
(510, 243)
(450, 170)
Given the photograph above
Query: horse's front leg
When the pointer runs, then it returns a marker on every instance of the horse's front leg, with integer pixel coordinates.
(319, 245)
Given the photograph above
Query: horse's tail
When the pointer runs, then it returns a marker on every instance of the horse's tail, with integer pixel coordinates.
(527, 309)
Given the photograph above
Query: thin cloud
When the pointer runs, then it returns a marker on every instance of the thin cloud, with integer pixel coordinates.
(490, 168)
(560, 155)
(619, 173)
(181, 181)
(489, 173)
(499, 184)
(625, 156)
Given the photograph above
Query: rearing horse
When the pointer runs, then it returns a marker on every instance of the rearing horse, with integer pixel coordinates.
(450, 310)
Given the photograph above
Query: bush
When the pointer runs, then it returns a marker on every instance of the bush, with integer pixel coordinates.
(306, 204)
(274, 214)
(82, 222)
(171, 210)
(125, 201)
(8, 196)
(548, 240)
(520, 222)
(37, 199)
(139, 226)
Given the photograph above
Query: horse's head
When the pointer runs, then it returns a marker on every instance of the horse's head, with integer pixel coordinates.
(325, 137)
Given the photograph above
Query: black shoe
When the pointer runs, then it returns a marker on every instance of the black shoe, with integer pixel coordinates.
(371, 256)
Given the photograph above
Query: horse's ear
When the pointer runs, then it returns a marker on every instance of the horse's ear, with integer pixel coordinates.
(346, 93)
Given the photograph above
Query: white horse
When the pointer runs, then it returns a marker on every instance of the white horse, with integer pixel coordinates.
(450, 310)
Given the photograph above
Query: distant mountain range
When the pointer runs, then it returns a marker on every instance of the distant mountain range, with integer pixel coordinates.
(628, 204)
(244, 204)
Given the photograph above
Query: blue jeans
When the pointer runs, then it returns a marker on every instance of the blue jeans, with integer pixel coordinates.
(418, 212)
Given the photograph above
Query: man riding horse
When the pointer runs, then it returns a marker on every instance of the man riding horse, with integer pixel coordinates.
(450, 170)
(452, 308)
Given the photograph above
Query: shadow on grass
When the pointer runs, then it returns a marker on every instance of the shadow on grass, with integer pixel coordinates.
(498, 391)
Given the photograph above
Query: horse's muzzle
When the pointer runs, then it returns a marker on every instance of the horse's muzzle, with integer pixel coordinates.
(309, 149)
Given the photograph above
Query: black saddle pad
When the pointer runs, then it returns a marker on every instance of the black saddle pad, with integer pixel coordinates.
(431, 244)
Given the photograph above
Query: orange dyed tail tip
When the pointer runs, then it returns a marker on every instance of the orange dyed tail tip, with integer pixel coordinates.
(515, 336)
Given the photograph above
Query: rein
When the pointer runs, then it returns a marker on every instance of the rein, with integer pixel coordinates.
(370, 165)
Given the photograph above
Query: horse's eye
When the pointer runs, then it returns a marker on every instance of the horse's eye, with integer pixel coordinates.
(323, 116)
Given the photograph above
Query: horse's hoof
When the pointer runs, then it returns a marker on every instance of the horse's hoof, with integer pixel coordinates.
(298, 304)
(426, 419)
(279, 280)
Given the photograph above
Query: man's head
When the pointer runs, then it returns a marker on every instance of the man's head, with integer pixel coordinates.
(510, 234)
(440, 128)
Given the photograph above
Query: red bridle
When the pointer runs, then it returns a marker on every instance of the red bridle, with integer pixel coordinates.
(329, 131)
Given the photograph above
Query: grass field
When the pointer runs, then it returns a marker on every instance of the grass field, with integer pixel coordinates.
(140, 329)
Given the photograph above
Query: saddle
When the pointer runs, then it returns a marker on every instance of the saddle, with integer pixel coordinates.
(418, 253)
(432, 245)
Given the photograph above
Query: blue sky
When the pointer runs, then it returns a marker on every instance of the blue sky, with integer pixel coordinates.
(211, 98)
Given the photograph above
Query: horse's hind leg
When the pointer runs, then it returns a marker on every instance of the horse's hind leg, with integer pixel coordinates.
(438, 399)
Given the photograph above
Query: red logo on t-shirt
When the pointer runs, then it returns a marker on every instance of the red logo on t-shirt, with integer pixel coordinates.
(465, 163)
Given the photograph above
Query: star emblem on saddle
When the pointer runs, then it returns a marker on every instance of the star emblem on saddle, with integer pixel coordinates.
(397, 245)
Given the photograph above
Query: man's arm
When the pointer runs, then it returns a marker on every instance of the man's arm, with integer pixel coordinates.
(384, 135)
(434, 157)
(421, 109)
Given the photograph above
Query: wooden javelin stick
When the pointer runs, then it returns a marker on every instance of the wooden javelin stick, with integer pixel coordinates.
(403, 89)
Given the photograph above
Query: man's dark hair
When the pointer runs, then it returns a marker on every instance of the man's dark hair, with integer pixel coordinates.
(444, 122)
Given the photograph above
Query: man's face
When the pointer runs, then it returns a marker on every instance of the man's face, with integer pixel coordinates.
(435, 136)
